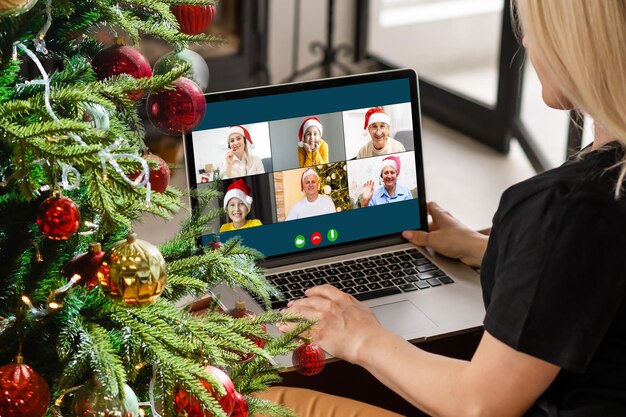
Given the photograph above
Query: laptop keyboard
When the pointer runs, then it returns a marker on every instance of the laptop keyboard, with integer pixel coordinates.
(364, 278)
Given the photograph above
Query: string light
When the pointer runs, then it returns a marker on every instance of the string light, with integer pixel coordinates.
(55, 298)
(38, 256)
(106, 155)
(40, 43)
(30, 305)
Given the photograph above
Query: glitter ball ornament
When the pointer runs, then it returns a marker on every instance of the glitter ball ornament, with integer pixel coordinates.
(86, 265)
(23, 392)
(241, 406)
(193, 19)
(308, 358)
(58, 217)
(178, 110)
(92, 400)
(185, 403)
(241, 311)
(122, 59)
(133, 271)
(12, 8)
(159, 176)
(198, 73)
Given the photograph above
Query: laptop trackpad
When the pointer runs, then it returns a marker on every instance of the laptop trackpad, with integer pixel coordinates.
(402, 318)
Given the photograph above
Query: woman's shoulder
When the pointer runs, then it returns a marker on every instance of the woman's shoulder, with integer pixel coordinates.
(583, 182)
(254, 223)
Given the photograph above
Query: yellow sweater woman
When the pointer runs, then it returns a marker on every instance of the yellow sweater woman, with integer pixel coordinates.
(312, 149)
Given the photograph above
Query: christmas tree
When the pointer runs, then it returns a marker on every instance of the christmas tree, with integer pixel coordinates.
(91, 321)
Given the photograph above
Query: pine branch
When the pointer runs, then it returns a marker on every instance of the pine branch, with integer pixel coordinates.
(266, 407)
(105, 364)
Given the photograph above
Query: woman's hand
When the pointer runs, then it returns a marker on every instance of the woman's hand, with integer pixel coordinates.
(344, 325)
(230, 157)
(450, 237)
(368, 193)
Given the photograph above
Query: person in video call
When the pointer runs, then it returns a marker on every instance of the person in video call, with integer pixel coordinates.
(237, 202)
(313, 203)
(390, 191)
(239, 161)
(312, 149)
(377, 125)
(552, 270)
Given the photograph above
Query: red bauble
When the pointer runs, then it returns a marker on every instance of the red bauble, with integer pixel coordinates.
(193, 19)
(178, 110)
(308, 358)
(23, 393)
(240, 311)
(86, 265)
(159, 176)
(58, 217)
(241, 406)
(122, 59)
(216, 244)
(184, 402)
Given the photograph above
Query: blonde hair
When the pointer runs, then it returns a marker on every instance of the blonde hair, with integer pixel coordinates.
(581, 46)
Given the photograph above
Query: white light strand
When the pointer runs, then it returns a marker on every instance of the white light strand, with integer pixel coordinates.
(64, 180)
(39, 41)
(105, 155)
(155, 413)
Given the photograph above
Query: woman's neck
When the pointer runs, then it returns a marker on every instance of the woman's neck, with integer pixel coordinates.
(239, 225)
(601, 136)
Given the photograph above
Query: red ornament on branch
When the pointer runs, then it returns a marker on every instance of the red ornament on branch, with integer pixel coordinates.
(308, 358)
(122, 59)
(184, 402)
(23, 392)
(241, 311)
(179, 110)
(193, 19)
(216, 244)
(86, 265)
(241, 406)
(159, 176)
(58, 217)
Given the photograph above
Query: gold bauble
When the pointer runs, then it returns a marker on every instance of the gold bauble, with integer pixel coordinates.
(12, 8)
(133, 271)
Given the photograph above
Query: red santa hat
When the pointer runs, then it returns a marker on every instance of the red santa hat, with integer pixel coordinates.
(307, 123)
(240, 190)
(242, 131)
(375, 115)
(391, 161)
(306, 174)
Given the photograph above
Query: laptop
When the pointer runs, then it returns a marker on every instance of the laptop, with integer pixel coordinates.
(355, 246)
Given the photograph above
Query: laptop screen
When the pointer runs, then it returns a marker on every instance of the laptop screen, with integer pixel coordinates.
(312, 166)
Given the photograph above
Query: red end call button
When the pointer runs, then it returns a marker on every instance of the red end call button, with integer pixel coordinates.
(316, 238)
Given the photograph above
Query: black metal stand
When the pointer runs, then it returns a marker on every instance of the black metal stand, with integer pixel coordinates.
(329, 52)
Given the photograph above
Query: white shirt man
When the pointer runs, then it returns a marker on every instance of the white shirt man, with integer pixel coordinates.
(313, 204)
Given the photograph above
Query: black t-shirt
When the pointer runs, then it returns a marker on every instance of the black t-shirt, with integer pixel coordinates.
(554, 280)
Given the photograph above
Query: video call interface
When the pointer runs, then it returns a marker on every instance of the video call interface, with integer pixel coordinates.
(309, 169)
